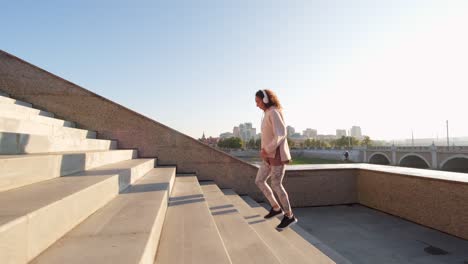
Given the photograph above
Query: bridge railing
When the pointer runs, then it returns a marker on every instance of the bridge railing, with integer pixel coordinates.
(420, 148)
(381, 148)
(453, 149)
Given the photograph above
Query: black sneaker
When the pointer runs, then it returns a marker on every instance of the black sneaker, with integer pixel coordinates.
(286, 222)
(273, 213)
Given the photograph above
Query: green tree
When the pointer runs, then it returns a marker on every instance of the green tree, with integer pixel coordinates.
(325, 144)
(258, 143)
(342, 142)
(346, 142)
(355, 142)
(367, 141)
(230, 143)
(251, 144)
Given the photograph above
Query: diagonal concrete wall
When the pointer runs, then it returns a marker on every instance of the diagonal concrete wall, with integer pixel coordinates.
(69, 101)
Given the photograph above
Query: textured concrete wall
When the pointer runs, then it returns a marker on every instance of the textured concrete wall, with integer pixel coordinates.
(316, 187)
(332, 154)
(439, 204)
(44, 90)
(321, 187)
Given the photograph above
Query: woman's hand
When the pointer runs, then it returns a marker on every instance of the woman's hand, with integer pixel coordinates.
(263, 154)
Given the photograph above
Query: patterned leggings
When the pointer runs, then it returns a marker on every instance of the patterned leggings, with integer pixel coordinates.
(276, 173)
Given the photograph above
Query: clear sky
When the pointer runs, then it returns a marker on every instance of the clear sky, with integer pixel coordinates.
(391, 67)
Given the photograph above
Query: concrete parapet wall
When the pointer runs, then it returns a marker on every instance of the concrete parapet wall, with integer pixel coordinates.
(112, 121)
(436, 199)
(321, 187)
(439, 204)
(331, 154)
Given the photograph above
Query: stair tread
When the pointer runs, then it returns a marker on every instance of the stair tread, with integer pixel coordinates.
(189, 234)
(8, 100)
(242, 243)
(21, 201)
(310, 246)
(24, 109)
(40, 127)
(35, 115)
(277, 241)
(120, 230)
(33, 217)
(18, 143)
(41, 167)
(58, 153)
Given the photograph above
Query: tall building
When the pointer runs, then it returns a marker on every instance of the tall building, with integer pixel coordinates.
(326, 137)
(340, 133)
(245, 131)
(236, 131)
(290, 130)
(356, 132)
(309, 133)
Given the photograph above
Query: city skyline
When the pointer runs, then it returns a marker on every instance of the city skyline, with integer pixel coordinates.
(314, 133)
(396, 68)
(246, 131)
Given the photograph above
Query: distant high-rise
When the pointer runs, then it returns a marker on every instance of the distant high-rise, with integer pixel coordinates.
(236, 132)
(245, 131)
(356, 132)
(290, 130)
(326, 137)
(340, 133)
(309, 133)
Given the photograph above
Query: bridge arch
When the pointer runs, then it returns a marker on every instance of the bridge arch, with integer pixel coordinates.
(455, 163)
(414, 160)
(379, 158)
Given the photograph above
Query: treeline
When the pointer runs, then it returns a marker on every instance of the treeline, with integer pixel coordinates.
(237, 143)
(333, 143)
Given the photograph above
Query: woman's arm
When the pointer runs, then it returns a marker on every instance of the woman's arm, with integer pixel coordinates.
(279, 131)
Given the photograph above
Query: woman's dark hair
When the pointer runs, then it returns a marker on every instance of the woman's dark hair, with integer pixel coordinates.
(272, 98)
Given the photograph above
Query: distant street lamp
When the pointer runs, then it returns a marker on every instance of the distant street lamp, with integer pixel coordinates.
(349, 140)
(448, 143)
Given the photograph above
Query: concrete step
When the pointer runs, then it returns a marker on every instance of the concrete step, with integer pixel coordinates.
(35, 216)
(34, 127)
(8, 100)
(4, 94)
(189, 233)
(37, 118)
(26, 110)
(241, 241)
(126, 230)
(16, 143)
(40, 167)
(277, 241)
(310, 246)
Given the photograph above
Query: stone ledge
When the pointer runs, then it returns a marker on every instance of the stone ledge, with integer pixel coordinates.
(424, 173)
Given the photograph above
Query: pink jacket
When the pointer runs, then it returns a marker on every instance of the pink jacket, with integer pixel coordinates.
(274, 134)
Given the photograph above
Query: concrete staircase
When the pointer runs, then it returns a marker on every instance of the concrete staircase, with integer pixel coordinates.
(67, 197)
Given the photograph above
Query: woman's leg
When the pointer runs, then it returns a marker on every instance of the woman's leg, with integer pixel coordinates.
(262, 176)
(277, 175)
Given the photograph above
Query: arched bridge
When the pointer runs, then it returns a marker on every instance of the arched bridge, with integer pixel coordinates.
(432, 157)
